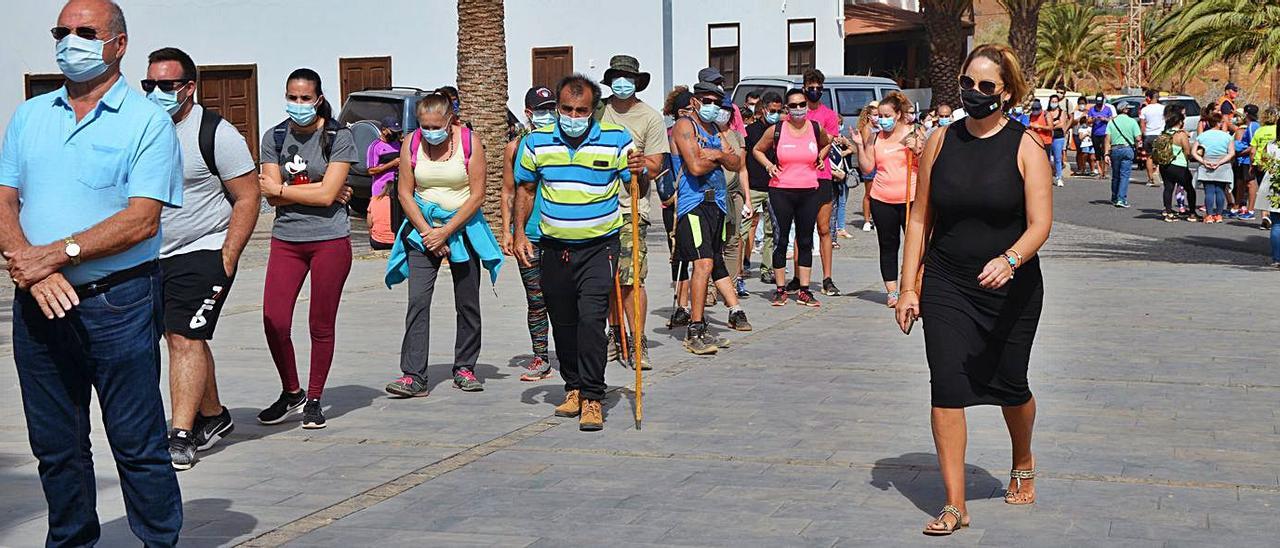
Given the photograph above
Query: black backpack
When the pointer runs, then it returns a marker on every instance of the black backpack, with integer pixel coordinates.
(209, 122)
(331, 128)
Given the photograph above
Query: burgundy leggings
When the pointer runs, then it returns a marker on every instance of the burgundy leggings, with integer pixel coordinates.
(329, 262)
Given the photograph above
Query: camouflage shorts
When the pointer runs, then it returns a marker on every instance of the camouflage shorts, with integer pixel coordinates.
(625, 275)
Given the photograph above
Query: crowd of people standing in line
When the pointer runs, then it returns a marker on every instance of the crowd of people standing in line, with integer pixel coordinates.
(960, 201)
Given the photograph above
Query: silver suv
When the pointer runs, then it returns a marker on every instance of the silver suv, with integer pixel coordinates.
(844, 94)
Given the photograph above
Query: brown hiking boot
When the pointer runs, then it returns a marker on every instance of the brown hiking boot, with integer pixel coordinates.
(592, 418)
(572, 405)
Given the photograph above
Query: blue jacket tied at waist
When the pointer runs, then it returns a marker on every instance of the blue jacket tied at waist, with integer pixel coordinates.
(476, 230)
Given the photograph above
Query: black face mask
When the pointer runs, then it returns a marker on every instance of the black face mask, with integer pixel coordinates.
(813, 94)
(979, 105)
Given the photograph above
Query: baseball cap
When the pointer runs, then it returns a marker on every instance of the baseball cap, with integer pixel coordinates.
(539, 98)
(391, 123)
(1231, 86)
(711, 75)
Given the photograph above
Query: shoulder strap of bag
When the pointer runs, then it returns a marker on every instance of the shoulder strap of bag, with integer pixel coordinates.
(277, 135)
(209, 121)
(466, 147)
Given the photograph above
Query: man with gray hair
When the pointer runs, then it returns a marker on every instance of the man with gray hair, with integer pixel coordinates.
(84, 174)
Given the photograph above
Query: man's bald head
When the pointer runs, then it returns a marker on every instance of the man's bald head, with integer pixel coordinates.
(105, 15)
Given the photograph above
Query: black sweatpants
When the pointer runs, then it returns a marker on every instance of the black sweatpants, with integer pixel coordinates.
(890, 220)
(1174, 176)
(788, 205)
(576, 281)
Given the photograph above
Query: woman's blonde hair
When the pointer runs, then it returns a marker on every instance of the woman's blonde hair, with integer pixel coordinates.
(1270, 116)
(436, 103)
(1010, 70)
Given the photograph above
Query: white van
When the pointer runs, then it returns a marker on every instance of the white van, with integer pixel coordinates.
(844, 94)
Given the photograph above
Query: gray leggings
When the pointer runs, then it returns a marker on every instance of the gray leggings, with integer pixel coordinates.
(423, 270)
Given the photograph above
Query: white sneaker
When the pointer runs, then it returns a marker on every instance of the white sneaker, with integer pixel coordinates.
(1058, 182)
(866, 227)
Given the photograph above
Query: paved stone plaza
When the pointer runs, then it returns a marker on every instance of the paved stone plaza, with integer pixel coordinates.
(1155, 372)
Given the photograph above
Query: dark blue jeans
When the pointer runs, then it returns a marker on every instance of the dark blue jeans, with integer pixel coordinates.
(110, 344)
(1121, 167)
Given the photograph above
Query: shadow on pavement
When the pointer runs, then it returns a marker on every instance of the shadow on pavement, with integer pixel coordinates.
(205, 522)
(1251, 253)
(916, 476)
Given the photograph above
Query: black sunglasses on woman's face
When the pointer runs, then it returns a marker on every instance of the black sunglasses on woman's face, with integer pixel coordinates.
(986, 87)
(797, 105)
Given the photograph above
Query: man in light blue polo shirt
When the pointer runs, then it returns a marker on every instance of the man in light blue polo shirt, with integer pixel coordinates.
(84, 173)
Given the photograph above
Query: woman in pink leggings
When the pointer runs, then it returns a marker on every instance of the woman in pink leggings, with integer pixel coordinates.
(305, 160)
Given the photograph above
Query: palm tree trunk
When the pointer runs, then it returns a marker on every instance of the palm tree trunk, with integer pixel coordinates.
(942, 21)
(482, 85)
(1024, 18)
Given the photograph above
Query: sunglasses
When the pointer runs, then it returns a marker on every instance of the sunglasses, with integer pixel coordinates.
(986, 87)
(797, 105)
(167, 86)
(88, 33)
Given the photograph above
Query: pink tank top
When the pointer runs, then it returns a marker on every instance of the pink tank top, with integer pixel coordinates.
(890, 184)
(797, 156)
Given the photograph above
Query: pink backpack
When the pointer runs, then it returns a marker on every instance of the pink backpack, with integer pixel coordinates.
(415, 141)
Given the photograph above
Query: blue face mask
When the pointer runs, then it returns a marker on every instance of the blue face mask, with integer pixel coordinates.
(708, 112)
(623, 88)
(167, 101)
(435, 136)
(542, 118)
(886, 124)
(301, 113)
(772, 117)
(944, 121)
(574, 127)
(80, 59)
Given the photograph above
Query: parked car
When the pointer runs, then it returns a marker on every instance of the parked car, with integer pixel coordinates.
(363, 113)
(844, 94)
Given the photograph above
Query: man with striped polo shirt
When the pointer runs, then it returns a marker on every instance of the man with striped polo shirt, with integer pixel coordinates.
(578, 167)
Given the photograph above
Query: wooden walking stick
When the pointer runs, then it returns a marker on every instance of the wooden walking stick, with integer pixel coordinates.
(635, 298)
(622, 313)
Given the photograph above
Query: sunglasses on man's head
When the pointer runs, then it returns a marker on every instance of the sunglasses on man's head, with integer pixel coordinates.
(167, 86)
(986, 87)
(88, 33)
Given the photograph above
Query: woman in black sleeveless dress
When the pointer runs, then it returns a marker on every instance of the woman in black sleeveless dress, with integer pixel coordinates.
(985, 196)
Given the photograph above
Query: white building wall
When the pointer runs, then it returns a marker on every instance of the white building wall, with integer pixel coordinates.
(276, 35)
(602, 30)
(762, 37)
(421, 36)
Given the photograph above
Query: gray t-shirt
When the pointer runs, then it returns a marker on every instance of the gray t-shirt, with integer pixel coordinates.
(201, 224)
(299, 223)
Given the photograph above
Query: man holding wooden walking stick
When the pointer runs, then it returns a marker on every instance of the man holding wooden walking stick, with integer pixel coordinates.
(578, 167)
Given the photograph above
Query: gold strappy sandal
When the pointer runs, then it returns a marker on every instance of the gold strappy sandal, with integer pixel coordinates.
(1015, 486)
(948, 509)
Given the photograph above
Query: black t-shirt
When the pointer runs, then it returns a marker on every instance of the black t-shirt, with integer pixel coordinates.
(758, 175)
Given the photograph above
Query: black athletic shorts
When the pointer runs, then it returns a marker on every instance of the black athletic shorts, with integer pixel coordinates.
(195, 288)
(826, 191)
(700, 234)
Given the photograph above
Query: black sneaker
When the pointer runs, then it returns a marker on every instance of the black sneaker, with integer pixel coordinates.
(1266, 223)
(738, 321)
(182, 449)
(695, 340)
(312, 416)
(829, 288)
(286, 405)
(679, 318)
(793, 285)
(209, 430)
(766, 276)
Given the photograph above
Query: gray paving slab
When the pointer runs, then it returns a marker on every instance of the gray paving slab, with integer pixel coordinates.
(1157, 392)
